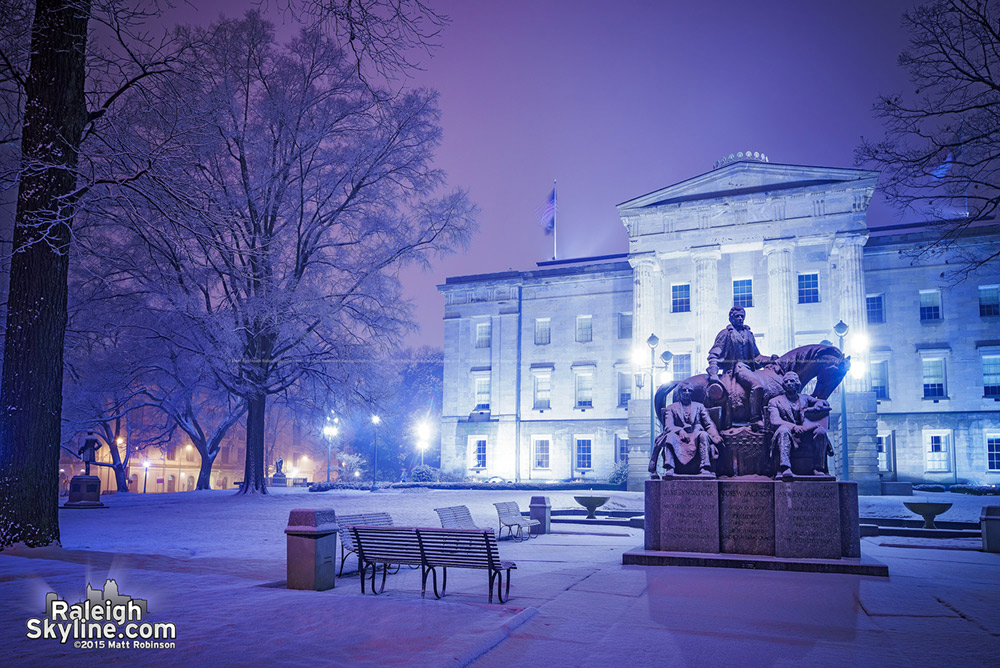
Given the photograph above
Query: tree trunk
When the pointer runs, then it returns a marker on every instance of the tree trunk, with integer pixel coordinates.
(254, 473)
(31, 384)
(205, 474)
(120, 478)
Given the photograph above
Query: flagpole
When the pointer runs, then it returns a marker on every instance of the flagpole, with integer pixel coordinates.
(555, 214)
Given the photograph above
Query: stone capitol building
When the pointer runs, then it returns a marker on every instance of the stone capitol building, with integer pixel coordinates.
(547, 371)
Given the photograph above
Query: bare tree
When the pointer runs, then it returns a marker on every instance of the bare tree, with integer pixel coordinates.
(52, 103)
(940, 156)
(281, 225)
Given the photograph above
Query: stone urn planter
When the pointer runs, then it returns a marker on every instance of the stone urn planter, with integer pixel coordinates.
(928, 510)
(591, 503)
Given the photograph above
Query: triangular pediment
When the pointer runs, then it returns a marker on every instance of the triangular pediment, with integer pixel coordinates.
(748, 178)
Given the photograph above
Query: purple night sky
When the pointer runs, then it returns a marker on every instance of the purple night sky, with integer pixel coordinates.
(616, 99)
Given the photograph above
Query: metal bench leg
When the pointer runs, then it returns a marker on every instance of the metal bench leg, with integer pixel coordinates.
(363, 571)
(385, 569)
(423, 580)
(444, 581)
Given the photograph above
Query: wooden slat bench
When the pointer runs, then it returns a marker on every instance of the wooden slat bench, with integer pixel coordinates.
(347, 541)
(457, 517)
(510, 516)
(431, 549)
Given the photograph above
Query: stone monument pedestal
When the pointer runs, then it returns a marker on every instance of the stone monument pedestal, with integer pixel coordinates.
(84, 492)
(279, 480)
(753, 520)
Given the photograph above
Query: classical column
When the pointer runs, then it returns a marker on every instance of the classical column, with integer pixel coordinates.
(848, 253)
(644, 270)
(862, 413)
(706, 302)
(781, 326)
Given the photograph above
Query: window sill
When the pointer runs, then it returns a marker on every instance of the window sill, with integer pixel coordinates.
(936, 399)
(932, 321)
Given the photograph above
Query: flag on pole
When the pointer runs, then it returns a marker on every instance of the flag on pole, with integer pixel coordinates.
(547, 213)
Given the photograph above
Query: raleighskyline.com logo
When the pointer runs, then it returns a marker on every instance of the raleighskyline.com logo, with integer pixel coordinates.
(104, 620)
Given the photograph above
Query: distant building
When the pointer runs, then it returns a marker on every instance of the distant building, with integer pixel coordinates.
(540, 365)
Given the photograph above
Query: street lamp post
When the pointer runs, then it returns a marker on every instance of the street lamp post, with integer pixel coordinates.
(423, 435)
(145, 475)
(840, 329)
(330, 431)
(375, 421)
(653, 341)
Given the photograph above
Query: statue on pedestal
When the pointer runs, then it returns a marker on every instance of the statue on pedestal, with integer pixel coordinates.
(688, 435)
(795, 419)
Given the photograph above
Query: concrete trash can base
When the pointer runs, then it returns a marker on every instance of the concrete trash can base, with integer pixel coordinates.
(989, 522)
(311, 540)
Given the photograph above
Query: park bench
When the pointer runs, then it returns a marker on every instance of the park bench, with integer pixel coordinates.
(430, 549)
(347, 541)
(510, 516)
(457, 517)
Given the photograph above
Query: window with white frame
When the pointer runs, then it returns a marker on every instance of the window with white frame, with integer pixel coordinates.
(624, 325)
(808, 288)
(880, 378)
(682, 366)
(680, 298)
(481, 380)
(542, 390)
(930, 305)
(882, 445)
(621, 448)
(483, 334)
(543, 331)
(584, 328)
(584, 388)
(875, 308)
(540, 447)
(991, 376)
(584, 458)
(624, 388)
(989, 300)
(933, 377)
(477, 448)
(743, 292)
(993, 452)
(937, 450)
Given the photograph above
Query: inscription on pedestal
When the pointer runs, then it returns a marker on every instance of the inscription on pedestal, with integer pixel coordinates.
(746, 517)
(807, 520)
(689, 518)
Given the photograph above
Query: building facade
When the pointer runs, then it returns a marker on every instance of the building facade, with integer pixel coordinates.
(547, 372)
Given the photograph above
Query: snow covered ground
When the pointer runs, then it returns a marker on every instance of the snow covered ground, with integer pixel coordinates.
(213, 563)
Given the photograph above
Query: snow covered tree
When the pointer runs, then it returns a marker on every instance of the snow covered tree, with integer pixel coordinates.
(282, 221)
(939, 156)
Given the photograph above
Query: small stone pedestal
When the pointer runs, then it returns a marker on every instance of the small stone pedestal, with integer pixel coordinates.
(279, 480)
(84, 492)
(311, 539)
(541, 509)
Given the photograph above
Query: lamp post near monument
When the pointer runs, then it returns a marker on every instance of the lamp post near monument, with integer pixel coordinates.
(841, 329)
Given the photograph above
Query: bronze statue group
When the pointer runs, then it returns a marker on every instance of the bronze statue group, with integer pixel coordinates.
(749, 398)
